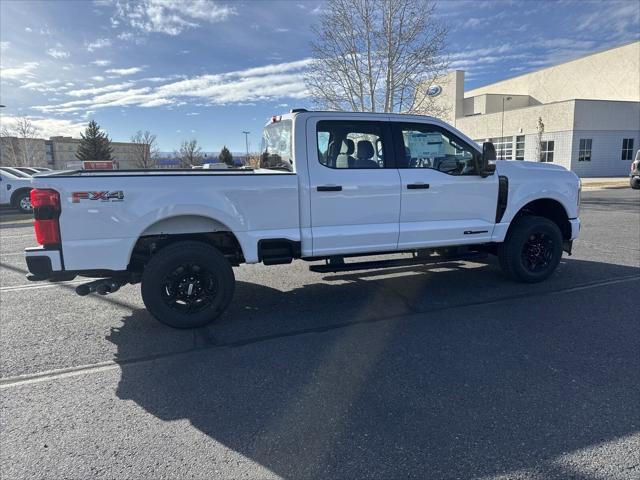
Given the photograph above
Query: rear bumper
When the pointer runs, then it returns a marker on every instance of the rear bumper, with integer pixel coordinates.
(46, 264)
(43, 263)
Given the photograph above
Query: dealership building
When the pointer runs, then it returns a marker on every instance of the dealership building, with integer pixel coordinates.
(583, 114)
(59, 153)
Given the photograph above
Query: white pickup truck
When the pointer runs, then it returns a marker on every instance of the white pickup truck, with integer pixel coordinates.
(332, 185)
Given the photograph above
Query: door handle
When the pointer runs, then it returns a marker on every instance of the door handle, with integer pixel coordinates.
(416, 186)
(329, 188)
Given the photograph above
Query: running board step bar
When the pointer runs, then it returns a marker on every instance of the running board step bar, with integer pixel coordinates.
(398, 262)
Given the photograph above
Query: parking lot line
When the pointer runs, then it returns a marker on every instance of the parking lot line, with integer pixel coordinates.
(18, 288)
(24, 235)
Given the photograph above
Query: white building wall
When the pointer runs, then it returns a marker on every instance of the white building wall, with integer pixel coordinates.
(562, 147)
(606, 153)
(613, 74)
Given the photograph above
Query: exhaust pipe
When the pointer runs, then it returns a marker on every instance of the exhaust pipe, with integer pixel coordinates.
(103, 286)
(108, 286)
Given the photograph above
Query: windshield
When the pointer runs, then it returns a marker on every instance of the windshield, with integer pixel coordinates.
(276, 146)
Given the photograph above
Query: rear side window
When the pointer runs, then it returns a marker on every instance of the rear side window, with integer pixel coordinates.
(351, 144)
(276, 146)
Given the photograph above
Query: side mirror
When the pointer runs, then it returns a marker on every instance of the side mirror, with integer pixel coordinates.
(488, 152)
(488, 155)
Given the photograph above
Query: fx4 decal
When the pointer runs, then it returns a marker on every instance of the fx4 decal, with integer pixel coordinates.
(116, 196)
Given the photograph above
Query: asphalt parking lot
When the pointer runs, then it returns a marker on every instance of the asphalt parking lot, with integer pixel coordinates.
(446, 371)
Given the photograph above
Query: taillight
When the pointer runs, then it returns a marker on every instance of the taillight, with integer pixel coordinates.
(46, 211)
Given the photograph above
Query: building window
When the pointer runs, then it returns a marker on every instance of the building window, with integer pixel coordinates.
(546, 151)
(504, 147)
(627, 149)
(584, 152)
(520, 147)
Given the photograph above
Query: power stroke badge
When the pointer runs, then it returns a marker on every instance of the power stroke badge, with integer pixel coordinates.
(105, 196)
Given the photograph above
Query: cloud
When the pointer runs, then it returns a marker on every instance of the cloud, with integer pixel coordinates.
(20, 72)
(620, 18)
(49, 127)
(57, 53)
(570, 43)
(99, 43)
(97, 78)
(193, 114)
(101, 63)
(28, 29)
(47, 86)
(124, 71)
(4, 46)
(170, 16)
(472, 22)
(99, 90)
(265, 83)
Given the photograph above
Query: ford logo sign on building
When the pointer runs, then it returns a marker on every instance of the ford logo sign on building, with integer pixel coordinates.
(434, 90)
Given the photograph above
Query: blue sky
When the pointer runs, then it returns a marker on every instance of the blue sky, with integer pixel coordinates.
(208, 70)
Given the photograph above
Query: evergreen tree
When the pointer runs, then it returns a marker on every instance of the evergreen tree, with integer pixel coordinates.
(95, 144)
(225, 156)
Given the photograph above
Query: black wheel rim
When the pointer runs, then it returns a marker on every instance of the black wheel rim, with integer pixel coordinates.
(537, 252)
(189, 288)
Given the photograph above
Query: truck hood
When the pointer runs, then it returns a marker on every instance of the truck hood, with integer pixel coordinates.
(524, 166)
(526, 171)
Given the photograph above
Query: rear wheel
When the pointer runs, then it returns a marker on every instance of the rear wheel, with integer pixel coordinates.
(635, 183)
(187, 284)
(532, 250)
(23, 202)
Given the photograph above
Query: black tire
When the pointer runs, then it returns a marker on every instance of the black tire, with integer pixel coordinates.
(23, 202)
(187, 284)
(635, 183)
(532, 250)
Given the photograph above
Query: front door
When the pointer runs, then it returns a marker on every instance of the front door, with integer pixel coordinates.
(444, 199)
(354, 187)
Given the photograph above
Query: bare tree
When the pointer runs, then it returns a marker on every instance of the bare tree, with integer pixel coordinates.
(190, 154)
(376, 55)
(145, 149)
(18, 145)
(539, 134)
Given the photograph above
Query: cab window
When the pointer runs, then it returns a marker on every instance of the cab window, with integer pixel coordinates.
(429, 146)
(276, 146)
(350, 144)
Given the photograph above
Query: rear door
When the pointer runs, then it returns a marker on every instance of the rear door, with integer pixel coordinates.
(354, 186)
(445, 201)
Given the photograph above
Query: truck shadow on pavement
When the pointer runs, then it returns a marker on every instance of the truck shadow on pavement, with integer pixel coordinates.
(403, 377)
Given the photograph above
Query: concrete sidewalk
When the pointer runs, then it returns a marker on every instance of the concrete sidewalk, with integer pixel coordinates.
(604, 182)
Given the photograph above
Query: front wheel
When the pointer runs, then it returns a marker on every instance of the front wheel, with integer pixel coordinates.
(532, 250)
(187, 284)
(635, 183)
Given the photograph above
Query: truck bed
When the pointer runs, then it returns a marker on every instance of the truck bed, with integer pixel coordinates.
(104, 213)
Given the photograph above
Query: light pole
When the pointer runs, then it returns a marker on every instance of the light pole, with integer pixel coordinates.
(246, 142)
(502, 129)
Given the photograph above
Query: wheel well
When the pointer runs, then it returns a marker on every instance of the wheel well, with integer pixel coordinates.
(148, 245)
(548, 208)
(17, 193)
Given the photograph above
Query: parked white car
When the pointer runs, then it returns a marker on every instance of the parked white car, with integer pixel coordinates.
(15, 190)
(332, 186)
